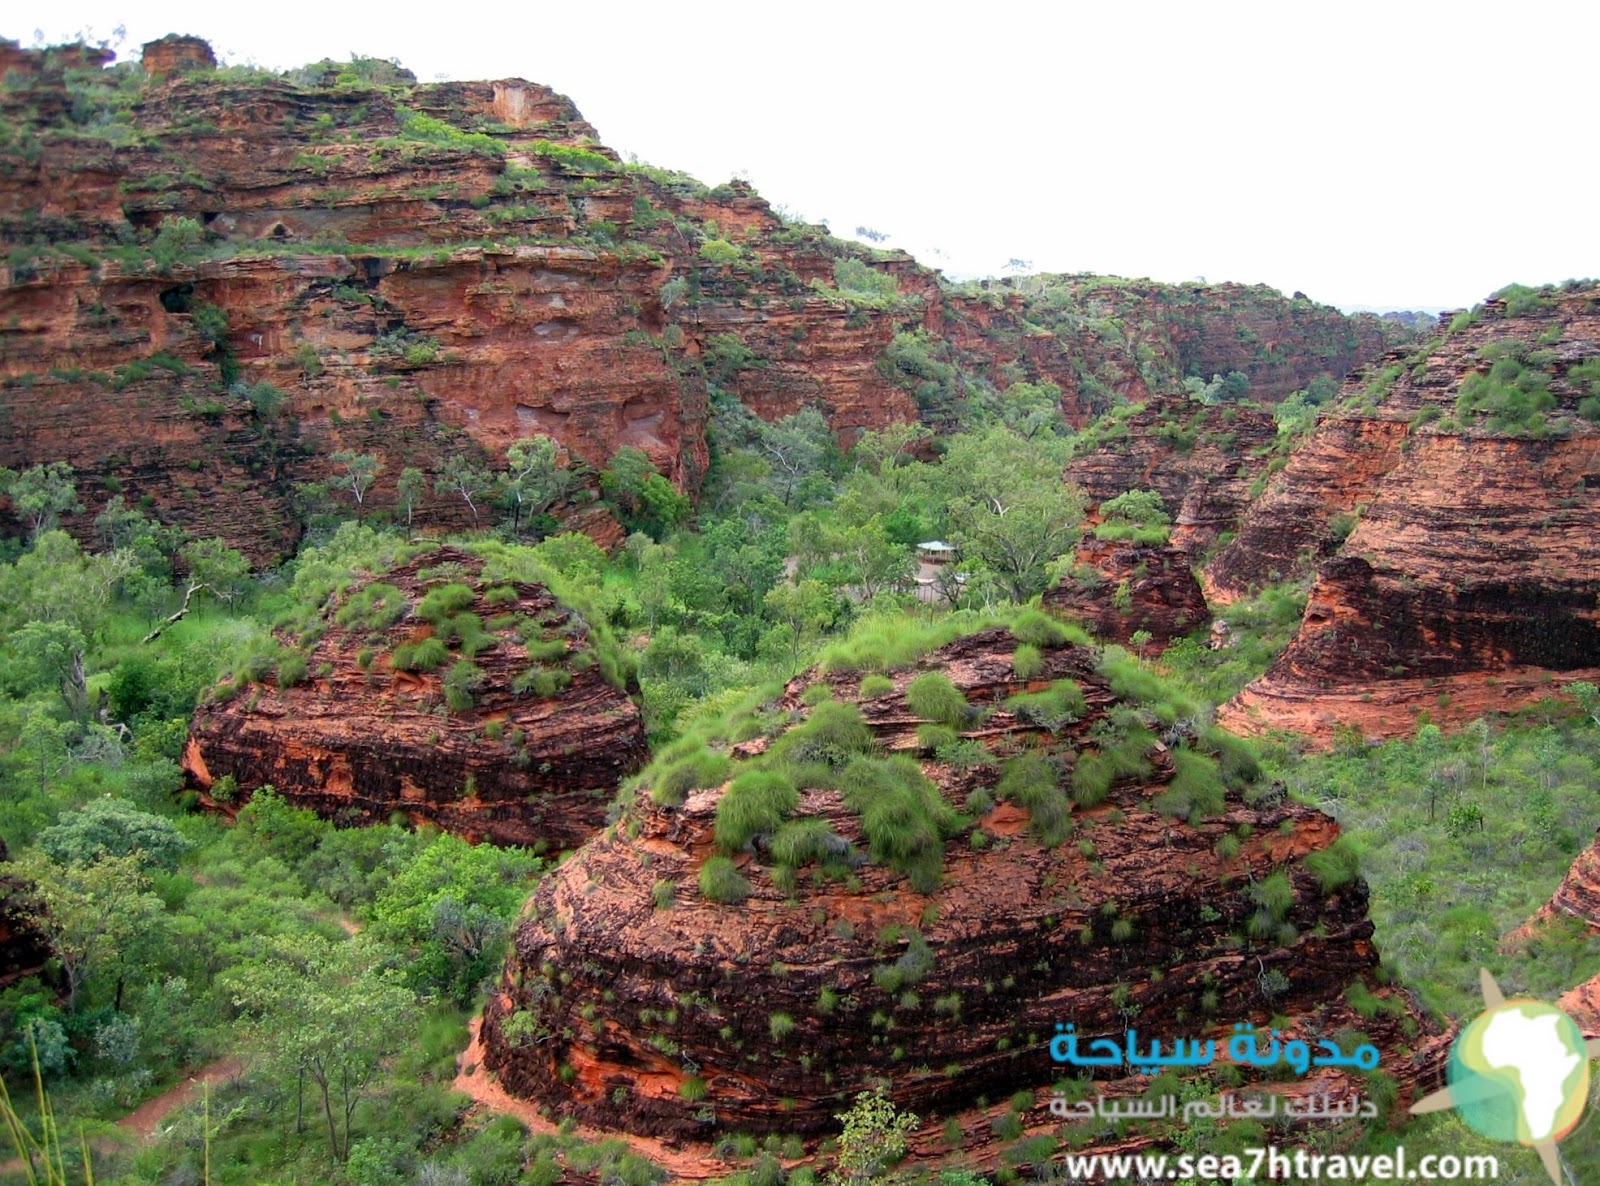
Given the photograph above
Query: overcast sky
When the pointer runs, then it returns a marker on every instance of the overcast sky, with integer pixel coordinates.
(1382, 154)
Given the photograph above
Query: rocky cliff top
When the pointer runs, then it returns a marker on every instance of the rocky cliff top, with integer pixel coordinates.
(261, 271)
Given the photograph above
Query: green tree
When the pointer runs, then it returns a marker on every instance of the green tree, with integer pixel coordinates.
(1010, 507)
(52, 653)
(114, 827)
(361, 470)
(1588, 698)
(43, 493)
(216, 567)
(535, 480)
(327, 1013)
(463, 478)
(804, 609)
(93, 915)
(873, 1139)
(408, 492)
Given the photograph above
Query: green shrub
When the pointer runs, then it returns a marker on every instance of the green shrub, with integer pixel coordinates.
(1038, 629)
(719, 251)
(460, 681)
(780, 1025)
(1196, 789)
(1091, 780)
(816, 694)
(291, 669)
(1026, 661)
(499, 595)
(662, 894)
(1131, 680)
(832, 734)
(1237, 757)
(1029, 780)
(873, 686)
(425, 655)
(905, 819)
(552, 650)
(376, 607)
(1060, 704)
(802, 840)
(934, 737)
(721, 882)
(1335, 866)
(694, 1089)
(757, 801)
(443, 602)
(543, 682)
(933, 696)
(703, 769)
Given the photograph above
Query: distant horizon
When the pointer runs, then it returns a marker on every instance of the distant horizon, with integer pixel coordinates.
(1244, 143)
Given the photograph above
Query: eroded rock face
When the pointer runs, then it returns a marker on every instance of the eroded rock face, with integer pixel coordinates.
(1136, 587)
(360, 740)
(630, 1000)
(177, 54)
(430, 269)
(1204, 461)
(1459, 569)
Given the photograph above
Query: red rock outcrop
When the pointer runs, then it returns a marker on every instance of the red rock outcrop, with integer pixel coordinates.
(1454, 497)
(632, 1000)
(176, 54)
(1163, 598)
(532, 755)
(1204, 460)
(429, 269)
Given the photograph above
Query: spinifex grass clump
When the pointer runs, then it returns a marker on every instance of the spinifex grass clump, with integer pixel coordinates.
(933, 696)
(756, 803)
(832, 735)
(672, 784)
(1196, 789)
(1032, 781)
(1056, 706)
(905, 819)
(1038, 629)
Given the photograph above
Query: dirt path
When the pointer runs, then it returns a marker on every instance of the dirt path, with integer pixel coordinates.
(147, 1117)
(686, 1163)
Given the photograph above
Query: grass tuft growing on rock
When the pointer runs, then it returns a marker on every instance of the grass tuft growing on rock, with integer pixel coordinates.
(933, 696)
(757, 802)
(721, 882)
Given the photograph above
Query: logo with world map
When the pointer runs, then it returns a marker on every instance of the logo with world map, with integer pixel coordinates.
(1519, 1071)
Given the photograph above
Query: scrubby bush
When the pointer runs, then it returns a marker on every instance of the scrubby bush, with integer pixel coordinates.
(1026, 661)
(757, 801)
(1039, 629)
(674, 782)
(832, 735)
(444, 601)
(905, 819)
(1196, 789)
(933, 696)
(802, 840)
(1030, 780)
(1060, 704)
(1091, 780)
(460, 682)
(721, 882)
(874, 685)
(424, 655)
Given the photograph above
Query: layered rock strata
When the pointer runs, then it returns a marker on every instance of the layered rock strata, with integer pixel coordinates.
(528, 749)
(1450, 508)
(422, 270)
(634, 1000)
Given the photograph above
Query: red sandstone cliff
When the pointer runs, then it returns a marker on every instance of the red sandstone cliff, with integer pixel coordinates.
(360, 738)
(428, 269)
(1121, 589)
(1450, 505)
(632, 1000)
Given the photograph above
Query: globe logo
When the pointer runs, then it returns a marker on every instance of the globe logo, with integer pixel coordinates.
(1519, 1071)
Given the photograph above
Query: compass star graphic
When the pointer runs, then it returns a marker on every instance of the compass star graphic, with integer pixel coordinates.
(1519, 1071)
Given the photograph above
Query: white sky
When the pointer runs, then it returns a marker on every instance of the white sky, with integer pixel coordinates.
(1411, 154)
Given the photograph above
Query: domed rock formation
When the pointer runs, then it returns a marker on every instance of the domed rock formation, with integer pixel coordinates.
(443, 690)
(1452, 499)
(912, 879)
